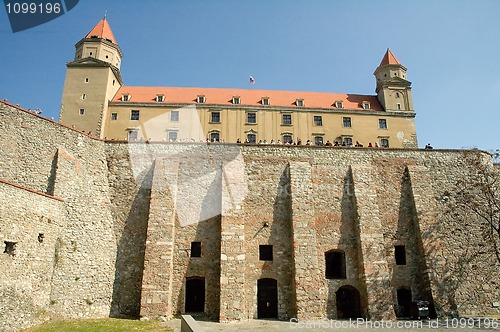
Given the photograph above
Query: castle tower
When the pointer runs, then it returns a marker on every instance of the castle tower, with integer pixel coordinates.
(92, 79)
(393, 89)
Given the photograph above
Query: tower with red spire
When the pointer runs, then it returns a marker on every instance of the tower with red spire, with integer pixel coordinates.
(92, 79)
(393, 89)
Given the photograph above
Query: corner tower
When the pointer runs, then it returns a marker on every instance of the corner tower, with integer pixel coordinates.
(92, 79)
(393, 89)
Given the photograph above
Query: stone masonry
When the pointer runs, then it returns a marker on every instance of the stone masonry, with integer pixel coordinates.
(94, 228)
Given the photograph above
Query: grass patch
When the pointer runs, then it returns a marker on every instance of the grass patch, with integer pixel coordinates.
(100, 325)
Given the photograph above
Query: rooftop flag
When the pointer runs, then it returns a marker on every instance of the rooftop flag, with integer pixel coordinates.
(252, 81)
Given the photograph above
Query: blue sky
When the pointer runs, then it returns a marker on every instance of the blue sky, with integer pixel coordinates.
(450, 47)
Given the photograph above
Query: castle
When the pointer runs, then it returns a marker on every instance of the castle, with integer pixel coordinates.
(106, 224)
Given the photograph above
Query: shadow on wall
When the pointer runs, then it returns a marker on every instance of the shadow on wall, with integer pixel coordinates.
(129, 265)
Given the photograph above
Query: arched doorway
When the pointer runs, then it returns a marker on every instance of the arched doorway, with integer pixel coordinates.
(404, 302)
(195, 294)
(267, 298)
(348, 302)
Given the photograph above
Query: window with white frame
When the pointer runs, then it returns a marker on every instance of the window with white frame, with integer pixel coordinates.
(134, 115)
(200, 99)
(82, 111)
(174, 116)
(346, 122)
(299, 102)
(236, 100)
(366, 105)
(172, 136)
(215, 117)
(382, 123)
(265, 101)
(318, 120)
(160, 98)
(251, 117)
(125, 97)
(214, 136)
(286, 119)
(114, 116)
(252, 138)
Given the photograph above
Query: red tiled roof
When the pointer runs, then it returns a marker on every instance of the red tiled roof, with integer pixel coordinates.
(102, 30)
(248, 97)
(389, 59)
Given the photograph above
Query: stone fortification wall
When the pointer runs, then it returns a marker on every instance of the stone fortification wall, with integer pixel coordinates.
(118, 234)
(75, 264)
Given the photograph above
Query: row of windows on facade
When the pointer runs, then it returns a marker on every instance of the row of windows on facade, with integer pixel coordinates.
(251, 118)
(236, 100)
(251, 138)
(335, 263)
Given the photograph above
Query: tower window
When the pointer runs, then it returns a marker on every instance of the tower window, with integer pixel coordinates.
(86, 79)
(195, 249)
(335, 264)
(252, 117)
(382, 123)
(84, 96)
(134, 115)
(399, 106)
(346, 122)
(82, 111)
(318, 120)
(174, 116)
(400, 254)
(397, 94)
(114, 116)
(265, 252)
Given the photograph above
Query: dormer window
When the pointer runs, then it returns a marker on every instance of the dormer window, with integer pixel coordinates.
(125, 97)
(366, 105)
(160, 98)
(236, 100)
(339, 104)
(299, 102)
(200, 99)
(265, 100)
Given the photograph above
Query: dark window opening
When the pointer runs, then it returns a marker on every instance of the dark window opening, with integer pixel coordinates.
(346, 122)
(252, 138)
(40, 237)
(251, 117)
(404, 302)
(286, 119)
(134, 115)
(10, 248)
(114, 116)
(195, 249)
(318, 121)
(265, 252)
(335, 264)
(400, 254)
(215, 117)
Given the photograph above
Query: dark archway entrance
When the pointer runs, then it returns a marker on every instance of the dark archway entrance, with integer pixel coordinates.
(195, 294)
(404, 302)
(267, 298)
(348, 302)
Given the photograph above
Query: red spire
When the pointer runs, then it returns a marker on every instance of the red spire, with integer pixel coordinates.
(102, 30)
(389, 59)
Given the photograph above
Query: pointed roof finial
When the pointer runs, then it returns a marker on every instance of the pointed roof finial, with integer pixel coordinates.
(105, 13)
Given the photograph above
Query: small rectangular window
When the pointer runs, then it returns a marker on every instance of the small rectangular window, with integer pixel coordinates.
(200, 99)
(287, 139)
(318, 140)
(382, 123)
(265, 252)
(134, 115)
(286, 119)
(265, 101)
(236, 100)
(214, 136)
(10, 248)
(252, 138)
(335, 265)
(132, 135)
(252, 117)
(125, 97)
(114, 116)
(215, 117)
(400, 254)
(299, 102)
(384, 142)
(82, 111)
(86, 79)
(160, 98)
(172, 136)
(346, 122)
(318, 120)
(174, 116)
(366, 105)
(347, 141)
(339, 104)
(399, 106)
(195, 249)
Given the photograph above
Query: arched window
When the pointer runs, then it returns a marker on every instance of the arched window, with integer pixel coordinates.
(335, 264)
